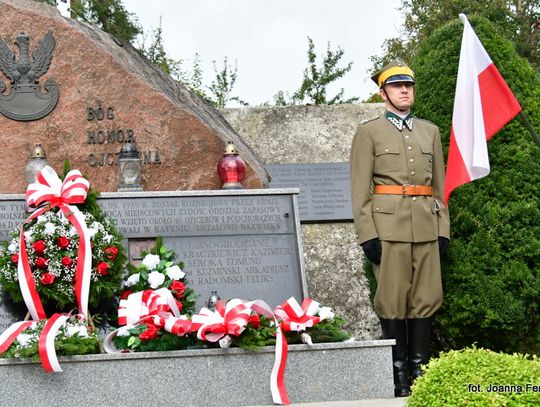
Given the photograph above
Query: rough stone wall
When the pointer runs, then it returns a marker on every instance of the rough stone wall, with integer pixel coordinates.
(310, 134)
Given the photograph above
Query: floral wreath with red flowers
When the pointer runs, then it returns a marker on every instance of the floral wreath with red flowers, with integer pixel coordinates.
(158, 270)
(52, 245)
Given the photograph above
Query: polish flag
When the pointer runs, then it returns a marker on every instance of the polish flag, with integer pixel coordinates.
(482, 106)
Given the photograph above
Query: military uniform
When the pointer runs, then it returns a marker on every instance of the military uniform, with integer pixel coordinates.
(392, 151)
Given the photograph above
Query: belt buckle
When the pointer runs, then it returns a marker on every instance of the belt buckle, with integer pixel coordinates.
(404, 189)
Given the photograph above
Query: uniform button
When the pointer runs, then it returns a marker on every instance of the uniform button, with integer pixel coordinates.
(413, 172)
(407, 136)
(376, 209)
(411, 160)
(385, 150)
(414, 198)
(409, 148)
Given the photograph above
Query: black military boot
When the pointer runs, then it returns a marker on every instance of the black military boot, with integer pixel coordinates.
(419, 335)
(397, 329)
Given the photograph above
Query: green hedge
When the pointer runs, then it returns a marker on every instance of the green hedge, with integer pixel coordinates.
(491, 276)
(478, 377)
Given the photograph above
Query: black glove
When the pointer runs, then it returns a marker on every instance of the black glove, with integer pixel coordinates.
(443, 245)
(372, 250)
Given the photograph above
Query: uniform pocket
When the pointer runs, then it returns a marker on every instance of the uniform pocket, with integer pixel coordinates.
(387, 159)
(427, 158)
(383, 207)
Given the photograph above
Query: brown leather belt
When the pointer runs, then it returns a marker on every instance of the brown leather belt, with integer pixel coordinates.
(403, 189)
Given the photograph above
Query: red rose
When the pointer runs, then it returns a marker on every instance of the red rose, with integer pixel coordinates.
(62, 242)
(111, 252)
(150, 333)
(103, 268)
(39, 247)
(66, 261)
(178, 287)
(125, 294)
(47, 278)
(41, 263)
(254, 321)
(15, 258)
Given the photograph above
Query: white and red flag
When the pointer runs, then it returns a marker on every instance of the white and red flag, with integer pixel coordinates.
(482, 106)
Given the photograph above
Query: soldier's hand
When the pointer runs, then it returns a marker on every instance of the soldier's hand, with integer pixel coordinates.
(443, 245)
(372, 250)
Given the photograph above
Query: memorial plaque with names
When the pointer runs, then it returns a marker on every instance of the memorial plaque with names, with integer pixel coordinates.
(325, 190)
(243, 244)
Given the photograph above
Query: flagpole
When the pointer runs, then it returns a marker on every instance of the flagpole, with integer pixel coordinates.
(529, 127)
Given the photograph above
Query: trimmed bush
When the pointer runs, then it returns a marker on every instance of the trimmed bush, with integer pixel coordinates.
(478, 377)
(491, 276)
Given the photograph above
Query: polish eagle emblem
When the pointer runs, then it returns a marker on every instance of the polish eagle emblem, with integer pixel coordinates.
(25, 100)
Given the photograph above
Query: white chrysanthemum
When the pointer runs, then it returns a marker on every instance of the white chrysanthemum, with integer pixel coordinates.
(175, 273)
(92, 232)
(24, 339)
(107, 238)
(13, 248)
(77, 329)
(132, 280)
(123, 331)
(50, 228)
(155, 279)
(326, 313)
(151, 261)
(28, 237)
(73, 232)
(41, 219)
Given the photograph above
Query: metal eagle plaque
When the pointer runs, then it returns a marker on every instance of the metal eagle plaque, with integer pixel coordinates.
(25, 101)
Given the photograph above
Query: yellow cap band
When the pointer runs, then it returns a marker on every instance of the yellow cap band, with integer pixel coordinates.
(395, 70)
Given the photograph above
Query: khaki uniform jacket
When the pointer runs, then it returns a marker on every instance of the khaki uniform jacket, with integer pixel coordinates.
(382, 154)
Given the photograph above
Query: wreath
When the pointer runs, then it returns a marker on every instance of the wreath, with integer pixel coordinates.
(52, 248)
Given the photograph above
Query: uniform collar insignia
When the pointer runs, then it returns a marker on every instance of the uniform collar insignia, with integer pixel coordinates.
(398, 122)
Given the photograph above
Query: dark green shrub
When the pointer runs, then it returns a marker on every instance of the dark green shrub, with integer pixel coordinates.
(472, 377)
(491, 276)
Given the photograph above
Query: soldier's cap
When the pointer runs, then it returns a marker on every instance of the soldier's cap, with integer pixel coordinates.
(395, 71)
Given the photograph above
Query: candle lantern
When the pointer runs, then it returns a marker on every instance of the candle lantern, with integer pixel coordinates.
(231, 168)
(129, 166)
(212, 301)
(38, 161)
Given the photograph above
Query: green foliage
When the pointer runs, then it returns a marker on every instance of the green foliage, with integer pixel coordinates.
(109, 15)
(165, 341)
(314, 87)
(73, 338)
(491, 276)
(518, 21)
(449, 380)
(223, 84)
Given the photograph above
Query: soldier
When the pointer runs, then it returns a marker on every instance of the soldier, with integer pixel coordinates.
(397, 176)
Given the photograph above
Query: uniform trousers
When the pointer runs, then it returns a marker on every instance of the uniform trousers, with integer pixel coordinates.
(408, 280)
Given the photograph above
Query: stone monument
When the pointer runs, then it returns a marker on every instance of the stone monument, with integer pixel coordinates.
(86, 93)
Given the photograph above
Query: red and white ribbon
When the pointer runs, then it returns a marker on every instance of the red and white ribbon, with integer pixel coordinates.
(291, 317)
(10, 334)
(158, 306)
(47, 351)
(231, 319)
(47, 193)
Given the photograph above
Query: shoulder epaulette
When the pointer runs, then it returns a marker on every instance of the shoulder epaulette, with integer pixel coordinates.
(424, 120)
(369, 120)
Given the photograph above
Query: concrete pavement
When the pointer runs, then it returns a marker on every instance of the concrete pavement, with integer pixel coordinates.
(394, 402)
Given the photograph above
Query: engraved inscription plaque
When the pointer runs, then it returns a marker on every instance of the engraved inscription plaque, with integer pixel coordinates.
(243, 243)
(325, 190)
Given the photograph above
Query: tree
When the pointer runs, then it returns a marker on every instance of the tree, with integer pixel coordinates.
(491, 276)
(516, 20)
(223, 84)
(314, 87)
(109, 15)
